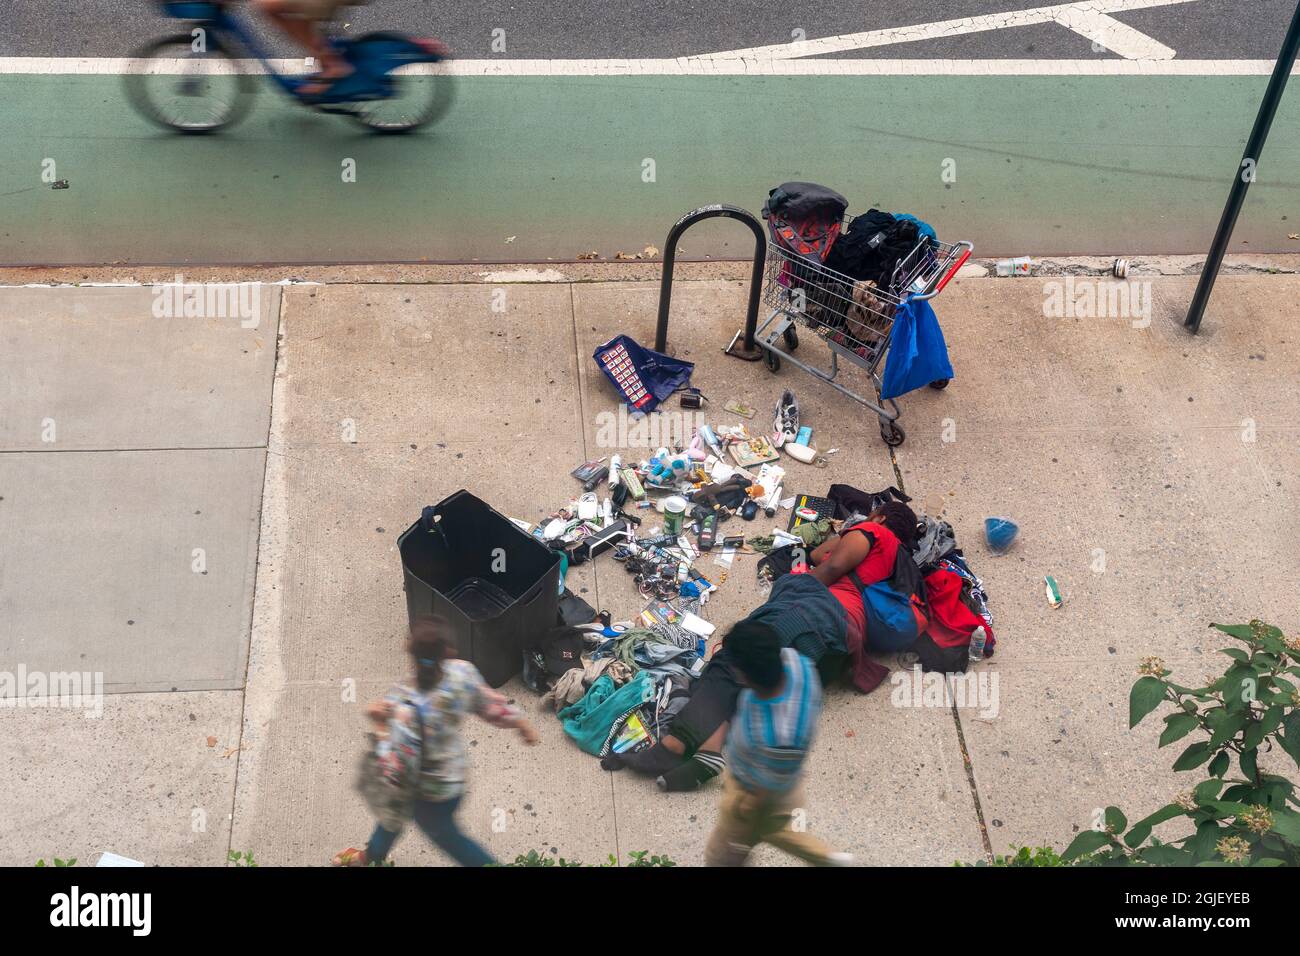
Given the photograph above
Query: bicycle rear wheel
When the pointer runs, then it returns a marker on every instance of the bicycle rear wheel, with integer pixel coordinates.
(190, 91)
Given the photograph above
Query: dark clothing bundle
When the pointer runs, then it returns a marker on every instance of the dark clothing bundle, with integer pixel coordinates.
(873, 246)
(849, 501)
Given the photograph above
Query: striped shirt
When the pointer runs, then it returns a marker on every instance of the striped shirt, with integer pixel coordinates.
(769, 739)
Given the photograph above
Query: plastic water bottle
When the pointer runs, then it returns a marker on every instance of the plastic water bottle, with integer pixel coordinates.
(977, 640)
(1022, 266)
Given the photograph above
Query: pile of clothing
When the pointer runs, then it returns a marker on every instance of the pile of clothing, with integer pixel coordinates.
(954, 595)
(615, 690)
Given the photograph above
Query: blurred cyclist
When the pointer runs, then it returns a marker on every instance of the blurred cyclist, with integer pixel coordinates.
(301, 20)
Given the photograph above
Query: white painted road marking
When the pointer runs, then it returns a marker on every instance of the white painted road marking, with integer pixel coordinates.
(1088, 18)
(1119, 38)
(684, 66)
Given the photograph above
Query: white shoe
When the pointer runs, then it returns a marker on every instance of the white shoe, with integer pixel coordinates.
(785, 423)
(839, 859)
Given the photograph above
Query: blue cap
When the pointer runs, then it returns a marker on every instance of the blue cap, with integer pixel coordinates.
(1000, 532)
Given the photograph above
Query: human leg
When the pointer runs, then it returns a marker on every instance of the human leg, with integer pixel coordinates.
(438, 821)
(733, 835)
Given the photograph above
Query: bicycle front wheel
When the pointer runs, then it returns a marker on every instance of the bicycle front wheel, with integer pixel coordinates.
(189, 84)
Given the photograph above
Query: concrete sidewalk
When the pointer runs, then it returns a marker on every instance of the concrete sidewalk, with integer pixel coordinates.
(213, 529)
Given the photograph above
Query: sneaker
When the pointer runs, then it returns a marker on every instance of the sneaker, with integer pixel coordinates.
(839, 859)
(785, 423)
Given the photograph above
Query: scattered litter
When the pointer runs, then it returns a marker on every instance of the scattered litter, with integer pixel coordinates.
(1000, 533)
(589, 255)
(1022, 266)
(59, 184)
(1120, 269)
(212, 741)
(1054, 598)
(650, 252)
(740, 408)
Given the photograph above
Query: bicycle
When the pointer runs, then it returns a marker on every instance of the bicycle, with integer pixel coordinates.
(392, 87)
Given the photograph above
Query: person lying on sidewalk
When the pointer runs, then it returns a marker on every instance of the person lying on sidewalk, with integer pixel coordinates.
(819, 614)
(870, 549)
(772, 730)
(801, 613)
(444, 691)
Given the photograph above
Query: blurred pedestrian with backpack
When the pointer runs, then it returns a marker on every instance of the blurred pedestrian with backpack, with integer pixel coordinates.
(415, 768)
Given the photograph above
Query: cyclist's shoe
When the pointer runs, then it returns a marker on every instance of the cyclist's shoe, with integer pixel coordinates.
(433, 47)
(785, 423)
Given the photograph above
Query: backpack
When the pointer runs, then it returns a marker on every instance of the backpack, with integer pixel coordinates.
(389, 774)
(559, 651)
(894, 607)
(805, 219)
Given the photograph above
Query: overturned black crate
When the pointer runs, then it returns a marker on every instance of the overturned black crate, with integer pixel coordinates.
(496, 586)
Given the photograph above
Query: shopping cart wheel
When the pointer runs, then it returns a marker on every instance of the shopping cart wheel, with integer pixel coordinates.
(892, 434)
(939, 383)
(773, 361)
(791, 338)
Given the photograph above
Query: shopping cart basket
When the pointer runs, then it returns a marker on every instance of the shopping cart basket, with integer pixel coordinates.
(855, 318)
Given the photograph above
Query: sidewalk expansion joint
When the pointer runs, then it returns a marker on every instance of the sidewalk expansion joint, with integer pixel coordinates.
(956, 716)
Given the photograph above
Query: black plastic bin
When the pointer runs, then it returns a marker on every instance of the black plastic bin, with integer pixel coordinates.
(496, 601)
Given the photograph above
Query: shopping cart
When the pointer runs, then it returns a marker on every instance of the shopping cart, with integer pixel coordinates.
(855, 318)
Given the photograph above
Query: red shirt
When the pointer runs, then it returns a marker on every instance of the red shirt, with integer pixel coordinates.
(876, 566)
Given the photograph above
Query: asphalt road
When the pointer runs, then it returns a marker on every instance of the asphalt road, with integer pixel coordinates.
(1050, 158)
(1198, 29)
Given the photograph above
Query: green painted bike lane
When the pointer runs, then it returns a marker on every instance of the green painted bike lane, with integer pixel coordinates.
(540, 167)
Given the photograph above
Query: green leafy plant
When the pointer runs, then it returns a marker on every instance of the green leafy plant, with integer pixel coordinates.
(1024, 856)
(1248, 818)
(58, 862)
(236, 858)
(643, 858)
(636, 857)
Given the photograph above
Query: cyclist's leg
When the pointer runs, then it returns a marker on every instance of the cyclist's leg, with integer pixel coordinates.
(300, 20)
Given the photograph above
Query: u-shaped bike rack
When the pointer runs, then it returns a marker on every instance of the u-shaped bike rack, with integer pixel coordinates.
(746, 350)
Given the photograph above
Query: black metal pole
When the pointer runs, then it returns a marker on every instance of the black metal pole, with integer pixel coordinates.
(1245, 172)
(748, 350)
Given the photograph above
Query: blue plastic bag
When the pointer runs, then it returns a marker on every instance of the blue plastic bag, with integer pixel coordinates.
(918, 354)
(643, 377)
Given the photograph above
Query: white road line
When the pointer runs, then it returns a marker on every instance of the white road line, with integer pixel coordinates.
(960, 27)
(727, 66)
(1119, 38)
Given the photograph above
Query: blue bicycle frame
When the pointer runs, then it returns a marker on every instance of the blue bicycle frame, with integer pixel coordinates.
(372, 57)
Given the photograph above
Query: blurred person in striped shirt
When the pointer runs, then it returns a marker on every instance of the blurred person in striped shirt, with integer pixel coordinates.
(768, 740)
